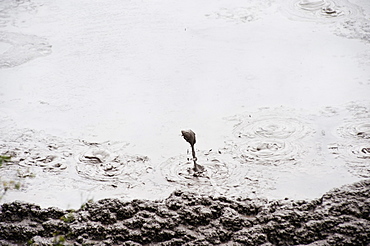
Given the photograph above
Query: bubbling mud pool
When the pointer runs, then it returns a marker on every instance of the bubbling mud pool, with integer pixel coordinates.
(266, 149)
(74, 75)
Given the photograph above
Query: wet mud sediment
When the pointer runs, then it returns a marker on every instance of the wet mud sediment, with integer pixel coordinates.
(339, 217)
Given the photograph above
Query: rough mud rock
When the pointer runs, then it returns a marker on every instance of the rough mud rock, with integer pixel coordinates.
(340, 217)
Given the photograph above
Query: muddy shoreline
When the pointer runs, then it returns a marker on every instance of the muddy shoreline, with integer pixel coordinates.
(340, 217)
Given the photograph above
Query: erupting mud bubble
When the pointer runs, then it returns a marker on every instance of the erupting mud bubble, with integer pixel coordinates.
(320, 10)
(23, 48)
(222, 174)
(101, 164)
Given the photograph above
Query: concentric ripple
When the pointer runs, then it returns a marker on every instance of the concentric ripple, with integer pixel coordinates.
(221, 173)
(355, 130)
(320, 10)
(269, 152)
(98, 163)
(272, 128)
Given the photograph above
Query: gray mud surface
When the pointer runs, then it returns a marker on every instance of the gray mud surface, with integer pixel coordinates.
(339, 217)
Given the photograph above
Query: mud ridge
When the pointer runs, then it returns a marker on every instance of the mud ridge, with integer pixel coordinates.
(339, 217)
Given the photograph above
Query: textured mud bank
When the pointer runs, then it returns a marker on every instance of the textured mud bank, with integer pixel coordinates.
(339, 217)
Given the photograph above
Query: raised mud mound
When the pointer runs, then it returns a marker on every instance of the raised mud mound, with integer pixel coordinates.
(340, 217)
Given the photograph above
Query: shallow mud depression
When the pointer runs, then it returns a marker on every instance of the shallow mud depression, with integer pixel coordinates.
(94, 95)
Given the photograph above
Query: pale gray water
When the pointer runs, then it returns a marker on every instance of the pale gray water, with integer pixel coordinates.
(93, 97)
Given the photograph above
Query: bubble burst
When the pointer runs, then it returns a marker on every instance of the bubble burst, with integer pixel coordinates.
(320, 10)
(222, 174)
(101, 164)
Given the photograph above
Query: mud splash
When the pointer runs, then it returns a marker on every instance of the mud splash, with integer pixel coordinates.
(320, 10)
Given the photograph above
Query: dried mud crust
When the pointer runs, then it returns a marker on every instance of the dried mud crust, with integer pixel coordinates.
(340, 217)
